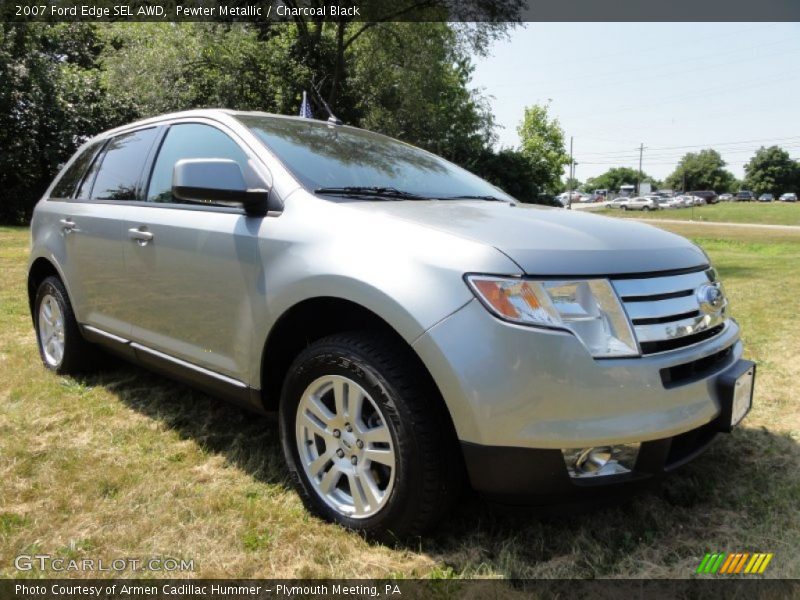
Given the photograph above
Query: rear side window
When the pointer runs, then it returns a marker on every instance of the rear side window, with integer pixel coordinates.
(116, 174)
(65, 188)
(189, 140)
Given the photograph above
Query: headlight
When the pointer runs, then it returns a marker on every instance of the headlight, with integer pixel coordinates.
(590, 309)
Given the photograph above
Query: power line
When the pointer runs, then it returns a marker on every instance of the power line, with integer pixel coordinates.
(706, 145)
(674, 157)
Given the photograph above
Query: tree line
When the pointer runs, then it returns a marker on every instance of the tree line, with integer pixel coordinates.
(64, 82)
(770, 170)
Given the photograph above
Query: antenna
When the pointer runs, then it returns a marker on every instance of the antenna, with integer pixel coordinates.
(332, 118)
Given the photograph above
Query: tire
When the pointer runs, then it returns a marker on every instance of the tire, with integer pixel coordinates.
(624, 207)
(646, 208)
(400, 416)
(61, 345)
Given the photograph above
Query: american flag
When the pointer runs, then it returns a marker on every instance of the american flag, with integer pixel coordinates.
(305, 108)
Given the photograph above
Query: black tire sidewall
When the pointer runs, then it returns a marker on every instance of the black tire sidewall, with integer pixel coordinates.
(76, 350)
(348, 363)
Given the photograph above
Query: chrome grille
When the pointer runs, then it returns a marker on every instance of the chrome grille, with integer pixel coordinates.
(671, 312)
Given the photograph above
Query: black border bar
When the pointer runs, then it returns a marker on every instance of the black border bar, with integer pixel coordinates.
(402, 10)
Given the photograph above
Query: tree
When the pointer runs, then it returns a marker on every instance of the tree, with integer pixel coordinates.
(704, 170)
(542, 143)
(772, 171)
(51, 99)
(410, 80)
(614, 178)
(326, 45)
(66, 82)
(511, 171)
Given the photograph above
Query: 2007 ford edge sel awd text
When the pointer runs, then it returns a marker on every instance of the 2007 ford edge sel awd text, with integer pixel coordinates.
(412, 325)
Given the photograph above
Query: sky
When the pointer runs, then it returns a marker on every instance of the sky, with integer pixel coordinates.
(674, 87)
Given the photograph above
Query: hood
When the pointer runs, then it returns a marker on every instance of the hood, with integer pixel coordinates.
(547, 241)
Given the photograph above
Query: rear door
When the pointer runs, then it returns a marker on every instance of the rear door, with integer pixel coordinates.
(194, 268)
(92, 224)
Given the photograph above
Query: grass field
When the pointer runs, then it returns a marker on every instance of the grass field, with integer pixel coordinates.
(127, 464)
(766, 213)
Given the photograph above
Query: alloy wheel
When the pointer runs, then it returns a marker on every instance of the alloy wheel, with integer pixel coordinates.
(51, 330)
(345, 446)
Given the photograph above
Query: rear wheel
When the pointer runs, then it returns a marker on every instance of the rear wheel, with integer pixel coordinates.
(61, 345)
(623, 207)
(366, 439)
(646, 208)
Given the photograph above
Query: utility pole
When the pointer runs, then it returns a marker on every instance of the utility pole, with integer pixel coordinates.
(571, 171)
(639, 176)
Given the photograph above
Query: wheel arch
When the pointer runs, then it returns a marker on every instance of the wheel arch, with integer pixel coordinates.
(40, 269)
(311, 320)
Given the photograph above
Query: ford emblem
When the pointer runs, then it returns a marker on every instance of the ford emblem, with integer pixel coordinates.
(710, 298)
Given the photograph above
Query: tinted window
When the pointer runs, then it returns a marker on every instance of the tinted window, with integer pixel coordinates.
(120, 168)
(65, 187)
(320, 155)
(189, 140)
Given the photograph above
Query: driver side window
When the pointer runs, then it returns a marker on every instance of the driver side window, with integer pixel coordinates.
(189, 140)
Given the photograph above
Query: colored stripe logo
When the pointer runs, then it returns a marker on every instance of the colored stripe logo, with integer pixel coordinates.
(733, 563)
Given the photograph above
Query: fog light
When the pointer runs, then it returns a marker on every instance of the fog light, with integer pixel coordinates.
(601, 460)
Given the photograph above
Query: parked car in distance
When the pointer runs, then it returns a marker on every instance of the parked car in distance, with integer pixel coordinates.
(412, 327)
(643, 203)
(684, 200)
(788, 197)
(744, 196)
(660, 201)
(616, 202)
(725, 197)
(710, 196)
(595, 197)
(674, 202)
(766, 198)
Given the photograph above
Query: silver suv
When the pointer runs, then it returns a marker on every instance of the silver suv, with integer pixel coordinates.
(413, 326)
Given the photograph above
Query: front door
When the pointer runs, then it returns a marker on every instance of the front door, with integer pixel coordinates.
(193, 269)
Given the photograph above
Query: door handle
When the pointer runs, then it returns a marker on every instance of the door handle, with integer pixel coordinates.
(67, 225)
(141, 236)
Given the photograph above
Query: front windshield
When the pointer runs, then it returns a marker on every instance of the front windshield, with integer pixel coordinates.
(328, 156)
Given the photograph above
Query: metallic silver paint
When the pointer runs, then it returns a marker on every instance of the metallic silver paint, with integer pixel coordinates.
(360, 452)
(210, 285)
(510, 385)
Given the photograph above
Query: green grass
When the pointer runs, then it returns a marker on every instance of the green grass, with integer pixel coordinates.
(766, 213)
(128, 464)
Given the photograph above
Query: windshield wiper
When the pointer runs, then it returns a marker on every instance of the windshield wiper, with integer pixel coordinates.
(371, 191)
(471, 197)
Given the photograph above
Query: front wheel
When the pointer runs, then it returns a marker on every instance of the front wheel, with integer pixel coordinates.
(624, 207)
(646, 208)
(366, 440)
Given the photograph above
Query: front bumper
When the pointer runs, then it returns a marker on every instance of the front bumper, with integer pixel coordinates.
(537, 476)
(519, 395)
(514, 386)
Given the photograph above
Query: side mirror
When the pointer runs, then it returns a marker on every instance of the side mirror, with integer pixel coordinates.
(216, 181)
